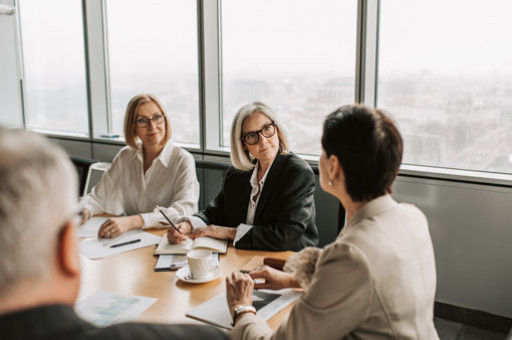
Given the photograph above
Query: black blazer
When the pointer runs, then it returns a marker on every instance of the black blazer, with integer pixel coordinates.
(285, 215)
(58, 322)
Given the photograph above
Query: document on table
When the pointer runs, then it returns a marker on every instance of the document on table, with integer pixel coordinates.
(267, 303)
(103, 308)
(91, 227)
(100, 248)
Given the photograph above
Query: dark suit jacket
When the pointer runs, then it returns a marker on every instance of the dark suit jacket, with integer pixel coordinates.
(55, 322)
(285, 215)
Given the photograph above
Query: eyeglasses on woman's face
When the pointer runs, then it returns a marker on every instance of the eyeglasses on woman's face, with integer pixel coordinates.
(253, 137)
(143, 122)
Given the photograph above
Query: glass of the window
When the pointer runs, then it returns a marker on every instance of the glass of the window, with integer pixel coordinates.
(153, 49)
(445, 73)
(297, 56)
(55, 92)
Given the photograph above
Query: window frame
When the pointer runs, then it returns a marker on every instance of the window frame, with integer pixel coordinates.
(209, 41)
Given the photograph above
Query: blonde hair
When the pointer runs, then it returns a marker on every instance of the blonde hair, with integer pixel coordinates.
(131, 113)
(240, 157)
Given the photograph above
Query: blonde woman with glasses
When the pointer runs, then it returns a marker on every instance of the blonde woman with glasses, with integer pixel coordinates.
(149, 171)
(266, 202)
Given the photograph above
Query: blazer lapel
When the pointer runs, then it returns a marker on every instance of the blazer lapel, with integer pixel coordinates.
(270, 185)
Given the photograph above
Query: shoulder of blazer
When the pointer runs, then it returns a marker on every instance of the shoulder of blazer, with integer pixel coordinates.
(292, 163)
(288, 164)
(235, 174)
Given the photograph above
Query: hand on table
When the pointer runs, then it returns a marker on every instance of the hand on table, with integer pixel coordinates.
(116, 226)
(274, 279)
(86, 215)
(239, 288)
(176, 238)
(221, 233)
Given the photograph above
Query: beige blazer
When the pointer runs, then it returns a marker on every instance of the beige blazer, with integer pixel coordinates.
(376, 281)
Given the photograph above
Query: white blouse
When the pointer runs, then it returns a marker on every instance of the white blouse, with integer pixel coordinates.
(170, 182)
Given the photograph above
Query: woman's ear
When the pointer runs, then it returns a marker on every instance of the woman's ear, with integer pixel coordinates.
(334, 168)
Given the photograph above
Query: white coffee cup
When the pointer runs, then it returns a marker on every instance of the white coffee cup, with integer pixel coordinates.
(201, 264)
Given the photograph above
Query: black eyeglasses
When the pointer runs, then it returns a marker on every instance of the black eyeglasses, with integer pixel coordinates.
(253, 137)
(144, 122)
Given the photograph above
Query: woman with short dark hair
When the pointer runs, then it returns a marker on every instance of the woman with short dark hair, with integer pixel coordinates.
(377, 280)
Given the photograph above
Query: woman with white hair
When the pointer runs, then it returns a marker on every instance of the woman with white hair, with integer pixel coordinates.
(266, 201)
(149, 171)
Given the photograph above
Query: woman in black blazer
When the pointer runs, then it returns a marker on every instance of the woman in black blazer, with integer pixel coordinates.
(266, 201)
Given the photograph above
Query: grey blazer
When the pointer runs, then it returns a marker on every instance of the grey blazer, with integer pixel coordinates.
(376, 281)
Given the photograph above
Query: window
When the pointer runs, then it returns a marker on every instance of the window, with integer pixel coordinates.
(446, 76)
(298, 56)
(152, 48)
(55, 94)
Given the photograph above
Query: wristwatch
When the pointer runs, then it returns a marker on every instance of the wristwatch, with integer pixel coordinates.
(242, 310)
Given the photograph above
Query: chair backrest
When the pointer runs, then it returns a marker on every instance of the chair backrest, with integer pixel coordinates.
(94, 174)
(82, 166)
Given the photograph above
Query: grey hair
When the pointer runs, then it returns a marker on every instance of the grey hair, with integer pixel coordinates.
(38, 191)
(240, 157)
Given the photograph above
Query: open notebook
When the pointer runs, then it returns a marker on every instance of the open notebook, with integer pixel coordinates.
(216, 246)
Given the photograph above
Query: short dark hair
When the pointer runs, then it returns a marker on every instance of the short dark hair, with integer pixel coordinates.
(369, 148)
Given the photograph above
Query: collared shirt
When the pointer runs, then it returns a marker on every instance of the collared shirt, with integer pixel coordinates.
(170, 182)
(243, 228)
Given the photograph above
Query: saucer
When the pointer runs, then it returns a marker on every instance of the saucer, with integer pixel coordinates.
(184, 275)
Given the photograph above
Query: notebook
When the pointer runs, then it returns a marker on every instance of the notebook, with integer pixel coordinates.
(215, 245)
(267, 303)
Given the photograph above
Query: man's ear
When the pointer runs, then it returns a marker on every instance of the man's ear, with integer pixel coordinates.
(69, 260)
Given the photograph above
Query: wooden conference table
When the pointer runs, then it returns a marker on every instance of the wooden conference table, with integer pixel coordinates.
(132, 273)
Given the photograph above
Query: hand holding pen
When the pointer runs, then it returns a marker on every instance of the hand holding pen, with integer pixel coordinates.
(176, 234)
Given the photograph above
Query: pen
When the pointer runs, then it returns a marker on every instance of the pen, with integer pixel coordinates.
(168, 220)
(125, 243)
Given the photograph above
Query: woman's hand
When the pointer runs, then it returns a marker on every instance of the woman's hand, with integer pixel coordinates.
(176, 238)
(274, 279)
(116, 226)
(86, 215)
(215, 231)
(239, 289)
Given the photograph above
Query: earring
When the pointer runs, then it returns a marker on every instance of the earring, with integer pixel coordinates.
(330, 183)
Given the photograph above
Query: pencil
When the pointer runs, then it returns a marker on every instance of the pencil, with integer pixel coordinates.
(168, 220)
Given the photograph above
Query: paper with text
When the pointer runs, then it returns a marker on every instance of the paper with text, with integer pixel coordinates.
(103, 308)
(100, 248)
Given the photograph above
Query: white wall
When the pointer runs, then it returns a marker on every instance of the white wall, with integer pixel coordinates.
(471, 228)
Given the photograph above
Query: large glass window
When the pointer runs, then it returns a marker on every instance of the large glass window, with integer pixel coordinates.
(55, 95)
(153, 49)
(298, 56)
(445, 73)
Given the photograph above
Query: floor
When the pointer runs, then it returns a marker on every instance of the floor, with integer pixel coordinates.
(449, 330)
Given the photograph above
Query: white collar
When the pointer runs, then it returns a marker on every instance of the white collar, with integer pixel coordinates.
(254, 176)
(164, 157)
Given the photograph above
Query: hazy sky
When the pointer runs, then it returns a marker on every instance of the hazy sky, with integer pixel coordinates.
(446, 36)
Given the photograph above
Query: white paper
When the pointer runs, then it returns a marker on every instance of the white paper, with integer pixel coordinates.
(104, 308)
(100, 248)
(216, 311)
(91, 227)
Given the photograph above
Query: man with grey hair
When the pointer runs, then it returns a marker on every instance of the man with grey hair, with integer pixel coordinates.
(39, 261)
